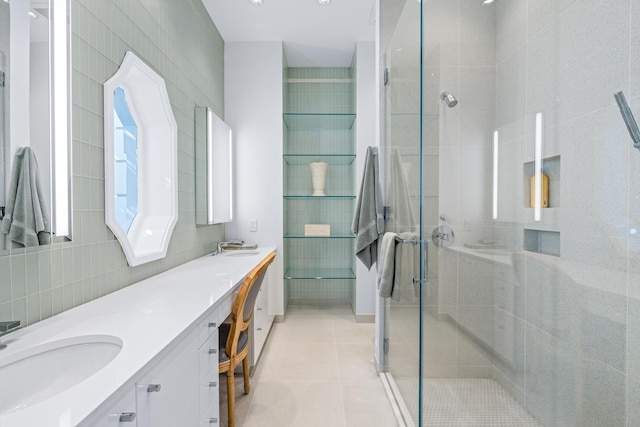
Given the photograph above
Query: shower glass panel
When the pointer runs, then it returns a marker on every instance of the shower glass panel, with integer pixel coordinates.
(531, 313)
(4, 108)
(402, 158)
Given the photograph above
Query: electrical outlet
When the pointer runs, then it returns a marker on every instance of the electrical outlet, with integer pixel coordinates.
(253, 225)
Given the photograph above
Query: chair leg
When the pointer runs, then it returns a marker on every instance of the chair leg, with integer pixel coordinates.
(231, 398)
(245, 373)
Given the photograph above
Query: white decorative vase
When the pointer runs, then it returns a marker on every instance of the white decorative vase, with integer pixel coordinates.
(318, 175)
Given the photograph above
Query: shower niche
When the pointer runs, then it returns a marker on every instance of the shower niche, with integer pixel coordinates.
(541, 234)
(550, 168)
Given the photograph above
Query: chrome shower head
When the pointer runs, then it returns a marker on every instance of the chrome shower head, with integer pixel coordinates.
(449, 99)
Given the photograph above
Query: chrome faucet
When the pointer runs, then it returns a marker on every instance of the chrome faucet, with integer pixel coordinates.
(7, 328)
(232, 244)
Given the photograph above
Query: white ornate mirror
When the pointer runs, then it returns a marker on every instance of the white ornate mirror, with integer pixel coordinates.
(141, 134)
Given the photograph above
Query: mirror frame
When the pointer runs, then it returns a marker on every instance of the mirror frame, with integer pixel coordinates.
(150, 233)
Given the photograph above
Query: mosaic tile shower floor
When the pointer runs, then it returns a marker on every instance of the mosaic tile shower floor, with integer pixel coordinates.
(466, 402)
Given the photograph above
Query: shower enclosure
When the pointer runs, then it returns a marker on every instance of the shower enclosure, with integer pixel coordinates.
(530, 314)
(4, 104)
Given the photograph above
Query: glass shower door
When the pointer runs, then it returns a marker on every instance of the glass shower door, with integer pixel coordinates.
(402, 163)
(502, 118)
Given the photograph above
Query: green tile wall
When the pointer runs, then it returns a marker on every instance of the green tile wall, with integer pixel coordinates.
(180, 42)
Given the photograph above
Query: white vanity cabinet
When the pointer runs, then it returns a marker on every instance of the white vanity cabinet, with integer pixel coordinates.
(119, 411)
(166, 371)
(262, 319)
(178, 388)
(167, 394)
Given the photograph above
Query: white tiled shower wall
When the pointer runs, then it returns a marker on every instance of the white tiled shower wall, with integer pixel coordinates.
(181, 43)
(565, 59)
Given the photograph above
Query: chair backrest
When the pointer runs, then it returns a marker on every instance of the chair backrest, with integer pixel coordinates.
(242, 310)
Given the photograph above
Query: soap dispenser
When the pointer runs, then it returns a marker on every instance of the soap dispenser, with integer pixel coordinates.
(544, 191)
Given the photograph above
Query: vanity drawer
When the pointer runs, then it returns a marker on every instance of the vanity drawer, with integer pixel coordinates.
(208, 326)
(209, 395)
(224, 308)
(210, 421)
(208, 356)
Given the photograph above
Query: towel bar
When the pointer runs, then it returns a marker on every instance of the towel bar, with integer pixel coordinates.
(410, 241)
(423, 260)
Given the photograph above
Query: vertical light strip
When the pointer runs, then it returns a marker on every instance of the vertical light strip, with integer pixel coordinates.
(495, 174)
(538, 169)
(209, 166)
(60, 102)
(230, 174)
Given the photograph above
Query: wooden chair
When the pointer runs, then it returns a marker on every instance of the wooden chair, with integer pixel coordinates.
(234, 336)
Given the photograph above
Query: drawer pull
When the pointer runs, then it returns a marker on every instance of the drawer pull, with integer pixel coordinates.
(213, 384)
(127, 417)
(259, 308)
(259, 329)
(212, 324)
(213, 421)
(213, 350)
(153, 388)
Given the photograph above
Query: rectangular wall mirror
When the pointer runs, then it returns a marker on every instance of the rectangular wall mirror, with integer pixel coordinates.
(214, 164)
(34, 124)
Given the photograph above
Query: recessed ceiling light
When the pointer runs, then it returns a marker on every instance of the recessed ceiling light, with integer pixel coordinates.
(324, 2)
(255, 2)
(32, 14)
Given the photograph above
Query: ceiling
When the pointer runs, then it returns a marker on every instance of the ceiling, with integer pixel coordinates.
(312, 35)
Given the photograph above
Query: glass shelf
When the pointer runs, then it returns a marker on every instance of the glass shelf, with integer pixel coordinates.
(333, 159)
(320, 197)
(318, 121)
(336, 236)
(319, 273)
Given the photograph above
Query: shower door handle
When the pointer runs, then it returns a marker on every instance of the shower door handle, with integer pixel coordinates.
(423, 265)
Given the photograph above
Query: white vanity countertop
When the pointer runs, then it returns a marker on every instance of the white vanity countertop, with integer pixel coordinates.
(146, 316)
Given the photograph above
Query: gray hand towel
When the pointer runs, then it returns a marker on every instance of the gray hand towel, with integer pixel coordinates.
(386, 279)
(368, 220)
(407, 257)
(401, 212)
(26, 211)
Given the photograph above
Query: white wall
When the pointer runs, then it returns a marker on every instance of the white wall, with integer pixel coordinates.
(19, 77)
(253, 109)
(39, 112)
(366, 126)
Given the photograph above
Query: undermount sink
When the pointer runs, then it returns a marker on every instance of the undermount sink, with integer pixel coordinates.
(241, 253)
(40, 372)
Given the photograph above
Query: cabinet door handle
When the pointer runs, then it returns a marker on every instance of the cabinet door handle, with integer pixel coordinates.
(127, 417)
(212, 324)
(213, 350)
(213, 384)
(259, 309)
(259, 329)
(213, 421)
(153, 388)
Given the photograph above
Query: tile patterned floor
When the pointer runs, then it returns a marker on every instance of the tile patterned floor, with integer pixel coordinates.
(465, 402)
(316, 370)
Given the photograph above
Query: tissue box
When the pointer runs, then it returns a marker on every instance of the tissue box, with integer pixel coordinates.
(317, 230)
